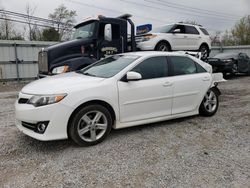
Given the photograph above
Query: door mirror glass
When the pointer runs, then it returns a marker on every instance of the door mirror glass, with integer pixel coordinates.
(133, 76)
(108, 32)
(177, 31)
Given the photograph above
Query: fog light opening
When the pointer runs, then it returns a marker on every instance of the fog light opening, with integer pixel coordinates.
(41, 127)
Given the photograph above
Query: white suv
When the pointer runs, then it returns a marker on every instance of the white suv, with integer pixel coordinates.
(178, 36)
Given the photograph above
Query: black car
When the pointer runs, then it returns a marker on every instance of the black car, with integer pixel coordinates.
(232, 63)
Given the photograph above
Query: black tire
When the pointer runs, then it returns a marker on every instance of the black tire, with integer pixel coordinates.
(210, 103)
(101, 125)
(235, 69)
(162, 46)
(204, 51)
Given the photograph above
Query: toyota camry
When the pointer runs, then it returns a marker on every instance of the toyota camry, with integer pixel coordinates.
(119, 91)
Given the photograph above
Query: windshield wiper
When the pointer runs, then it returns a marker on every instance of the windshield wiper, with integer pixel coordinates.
(88, 74)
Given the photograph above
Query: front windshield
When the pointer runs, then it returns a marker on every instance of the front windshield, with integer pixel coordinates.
(110, 66)
(163, 29)
(85, 31)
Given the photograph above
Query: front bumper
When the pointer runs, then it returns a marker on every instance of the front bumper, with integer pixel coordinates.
(57, 116)
(147, 45)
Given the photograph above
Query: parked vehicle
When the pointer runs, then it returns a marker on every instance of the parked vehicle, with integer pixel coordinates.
(177, 36)
(93, 39)
(119, 91)
(230, 62)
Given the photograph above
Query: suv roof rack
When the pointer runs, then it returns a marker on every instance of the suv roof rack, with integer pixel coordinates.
(190, 23)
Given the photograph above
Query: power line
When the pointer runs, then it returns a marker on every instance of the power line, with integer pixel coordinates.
(164, 9)
(112, 10)
(194, 8)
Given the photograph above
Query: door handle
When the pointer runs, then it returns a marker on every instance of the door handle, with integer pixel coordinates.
(206, 78)
(185, 36)
(167, 84)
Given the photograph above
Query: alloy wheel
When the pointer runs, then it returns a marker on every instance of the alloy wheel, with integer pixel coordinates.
(92, 126)
(210, 101)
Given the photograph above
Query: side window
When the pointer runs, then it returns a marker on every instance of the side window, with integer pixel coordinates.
(191, 30)
(204, 31)
(181, 27)
(183, 65)
(154, 67)
(200, 69)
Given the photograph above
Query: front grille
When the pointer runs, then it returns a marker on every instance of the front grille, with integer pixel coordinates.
(22, 101)
(30, 126)
(43, 61)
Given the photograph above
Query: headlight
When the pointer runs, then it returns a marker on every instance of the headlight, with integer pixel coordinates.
(147, 37)
(227, 61)
(61, 69)
(38, 100)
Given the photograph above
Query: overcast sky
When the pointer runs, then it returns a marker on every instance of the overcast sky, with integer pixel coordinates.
(224, 13)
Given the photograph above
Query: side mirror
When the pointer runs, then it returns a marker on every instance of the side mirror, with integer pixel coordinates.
(133, 76)
(177, 31)
(108, 32)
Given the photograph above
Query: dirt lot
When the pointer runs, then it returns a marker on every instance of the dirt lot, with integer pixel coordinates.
(189, 152)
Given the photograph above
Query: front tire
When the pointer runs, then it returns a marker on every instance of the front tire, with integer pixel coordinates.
(90, 125)
(210, 103)
(162, 46)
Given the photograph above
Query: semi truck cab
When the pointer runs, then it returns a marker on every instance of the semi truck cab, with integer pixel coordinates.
(93, 39)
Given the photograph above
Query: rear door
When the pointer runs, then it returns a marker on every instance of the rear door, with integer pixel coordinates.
(191, 82)
(193, 37)
(149, 97)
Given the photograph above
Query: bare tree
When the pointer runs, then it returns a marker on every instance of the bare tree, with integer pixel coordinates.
(33, 30)
(63, 19)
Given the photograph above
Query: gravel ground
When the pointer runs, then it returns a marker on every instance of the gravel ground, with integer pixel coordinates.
(188, 152)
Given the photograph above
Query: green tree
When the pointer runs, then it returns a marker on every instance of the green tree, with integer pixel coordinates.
(50, 34)
(63, 20)
(241, 31)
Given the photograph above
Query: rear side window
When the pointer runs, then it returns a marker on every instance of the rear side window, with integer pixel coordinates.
(191, 30)
(204, 31)
(154, 67)
(185, 65)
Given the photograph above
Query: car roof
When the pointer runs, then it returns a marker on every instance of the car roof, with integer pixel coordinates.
(154, 53)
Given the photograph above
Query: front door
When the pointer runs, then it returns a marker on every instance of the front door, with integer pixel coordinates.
(179, 39)
(149, 97)
(115, 43)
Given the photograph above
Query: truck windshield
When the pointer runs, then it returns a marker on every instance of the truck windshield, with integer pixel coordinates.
(84, 31)
(163, 29)
(109, 67)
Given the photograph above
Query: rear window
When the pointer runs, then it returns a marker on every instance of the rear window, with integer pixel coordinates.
(191, 30)
(204, 31)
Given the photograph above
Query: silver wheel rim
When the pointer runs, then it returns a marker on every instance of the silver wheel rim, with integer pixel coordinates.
(92, 126)
(210, 101)
(163, 48)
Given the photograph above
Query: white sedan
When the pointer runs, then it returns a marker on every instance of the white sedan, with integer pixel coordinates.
(120, 91)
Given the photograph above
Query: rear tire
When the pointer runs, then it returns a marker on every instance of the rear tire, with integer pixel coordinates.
(90, 125)
(162, 46)
(204, 51)
(210, 103)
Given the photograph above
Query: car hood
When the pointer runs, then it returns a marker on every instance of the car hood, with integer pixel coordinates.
(62, 83)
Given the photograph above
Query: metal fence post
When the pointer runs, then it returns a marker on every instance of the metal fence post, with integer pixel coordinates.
(16, 59)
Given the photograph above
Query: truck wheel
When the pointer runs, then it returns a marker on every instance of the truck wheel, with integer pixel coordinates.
(90, 125)
(210, 103)
(234, 69)
(204, 52)
(162, 46)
